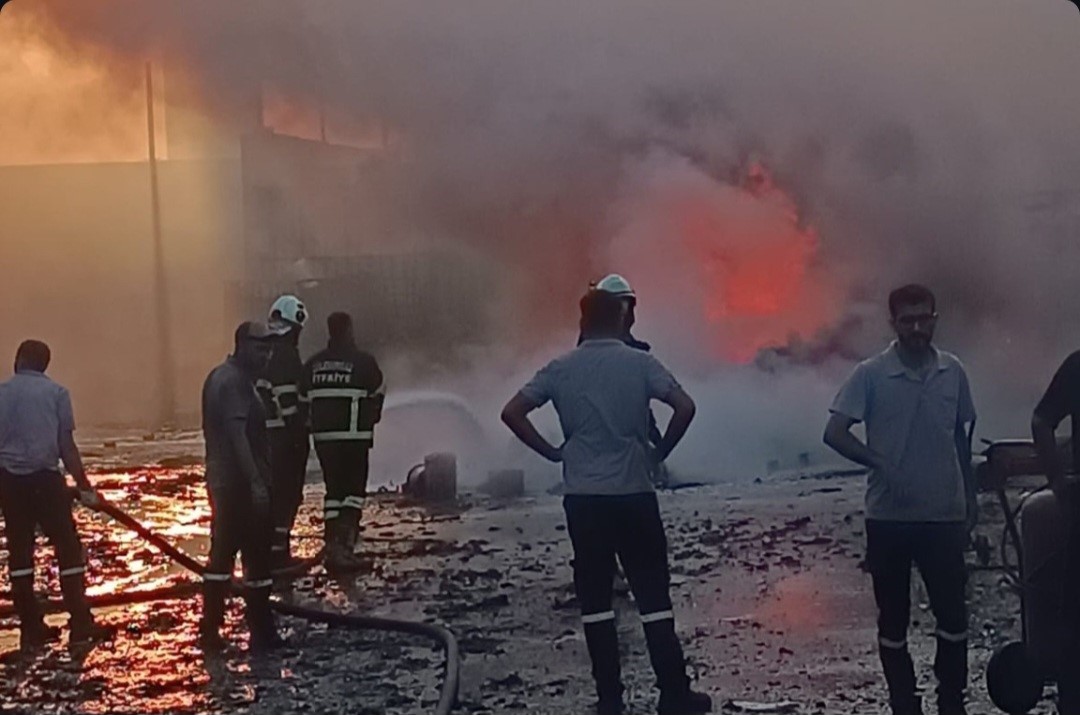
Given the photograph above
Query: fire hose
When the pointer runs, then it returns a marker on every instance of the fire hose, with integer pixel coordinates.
(439, 634)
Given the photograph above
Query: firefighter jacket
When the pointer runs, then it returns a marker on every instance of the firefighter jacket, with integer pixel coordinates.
(345, 391)
(279, 388)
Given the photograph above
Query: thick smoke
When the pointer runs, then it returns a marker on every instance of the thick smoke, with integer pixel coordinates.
(916, 141)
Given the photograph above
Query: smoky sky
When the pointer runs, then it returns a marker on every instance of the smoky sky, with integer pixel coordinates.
(925, 141)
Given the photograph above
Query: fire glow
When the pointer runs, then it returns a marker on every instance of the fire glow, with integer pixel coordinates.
(60, 106)
(735, 260)
(757, 260)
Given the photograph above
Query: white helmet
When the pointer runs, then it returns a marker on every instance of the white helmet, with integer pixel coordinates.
(615, 285)
(290, 309)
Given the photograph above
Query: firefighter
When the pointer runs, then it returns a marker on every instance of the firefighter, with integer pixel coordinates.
(1061, 400)
(601, 391)
(238, 479)
(915, 401)
(37, 434)
(345, 390)
(616, 285)
(286, 422)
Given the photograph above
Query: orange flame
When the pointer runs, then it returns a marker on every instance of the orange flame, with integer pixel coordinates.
(756, 261)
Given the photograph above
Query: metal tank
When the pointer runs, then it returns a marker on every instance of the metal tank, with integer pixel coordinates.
(1043, 534)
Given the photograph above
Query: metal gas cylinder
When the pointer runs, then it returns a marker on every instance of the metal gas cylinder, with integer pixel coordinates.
(1043, 535)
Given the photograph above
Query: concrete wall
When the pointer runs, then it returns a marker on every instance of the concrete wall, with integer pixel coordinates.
(76, 251)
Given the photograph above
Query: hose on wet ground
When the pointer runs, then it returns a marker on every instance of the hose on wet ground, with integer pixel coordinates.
(442, 636)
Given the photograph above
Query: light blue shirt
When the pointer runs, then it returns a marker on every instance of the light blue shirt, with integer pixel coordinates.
(912, 422)
(601, 391)
(34, 412)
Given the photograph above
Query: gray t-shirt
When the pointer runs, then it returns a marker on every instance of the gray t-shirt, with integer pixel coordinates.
(34, 412)
(601, 391)
(230, 400)
(912, 423)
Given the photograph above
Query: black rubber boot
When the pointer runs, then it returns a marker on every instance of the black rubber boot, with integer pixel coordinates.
(665, 652)
(603, 642)
(33, 633)
(900, 678)
(83, 627)
(340, 554)
(260, 620)
(951, 668)
(26, 605)
(213, 615)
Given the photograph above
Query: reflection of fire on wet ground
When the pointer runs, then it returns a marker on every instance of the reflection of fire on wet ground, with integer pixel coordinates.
(769, 595)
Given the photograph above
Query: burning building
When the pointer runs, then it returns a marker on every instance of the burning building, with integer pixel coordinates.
(246, 214)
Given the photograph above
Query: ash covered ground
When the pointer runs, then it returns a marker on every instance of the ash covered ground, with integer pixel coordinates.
(771, 602)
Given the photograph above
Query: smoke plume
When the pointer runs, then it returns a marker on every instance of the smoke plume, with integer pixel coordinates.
(764, 173)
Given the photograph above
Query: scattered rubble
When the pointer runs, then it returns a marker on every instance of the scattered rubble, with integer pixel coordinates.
(774, 611)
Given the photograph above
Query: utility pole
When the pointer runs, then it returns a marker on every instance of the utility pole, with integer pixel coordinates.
(166, 367)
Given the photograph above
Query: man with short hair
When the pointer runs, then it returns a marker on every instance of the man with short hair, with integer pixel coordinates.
(344, 388)
(238, 481)
(601, 391)
(37, 433)
(1061, 400)
(920, 502)
(615, 285)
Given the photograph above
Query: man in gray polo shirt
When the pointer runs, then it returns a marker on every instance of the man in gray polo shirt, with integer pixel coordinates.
(36, 434)
(920, 501)
(601, 391)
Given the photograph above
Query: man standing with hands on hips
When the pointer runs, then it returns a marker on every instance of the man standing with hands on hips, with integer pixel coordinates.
(601, 391)
(920, 503)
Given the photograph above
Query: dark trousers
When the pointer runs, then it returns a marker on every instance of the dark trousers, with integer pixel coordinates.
(345, 468)
(237, 526)
(603, 528)
(42, 499)
(1069, 675)
(289, 451)
(937, 549)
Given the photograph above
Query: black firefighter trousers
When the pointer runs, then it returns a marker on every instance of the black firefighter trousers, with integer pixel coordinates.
(937, 549)
(345, 465)
(289, 449)
(237, 524)
(628, 527)
(42, 499)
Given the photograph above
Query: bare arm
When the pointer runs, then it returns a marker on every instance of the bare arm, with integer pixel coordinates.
(685, 409)
(516, 416)
(69, 453)
(963, 436)
(1042, 431)
(838, 436)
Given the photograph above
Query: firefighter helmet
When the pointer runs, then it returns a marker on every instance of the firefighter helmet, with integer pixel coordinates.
(616, 285)
(290, 309)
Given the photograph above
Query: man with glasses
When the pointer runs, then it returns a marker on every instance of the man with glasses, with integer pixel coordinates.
(920, 503)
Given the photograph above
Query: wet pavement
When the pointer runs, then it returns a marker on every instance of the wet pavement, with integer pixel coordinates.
(770, 597)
